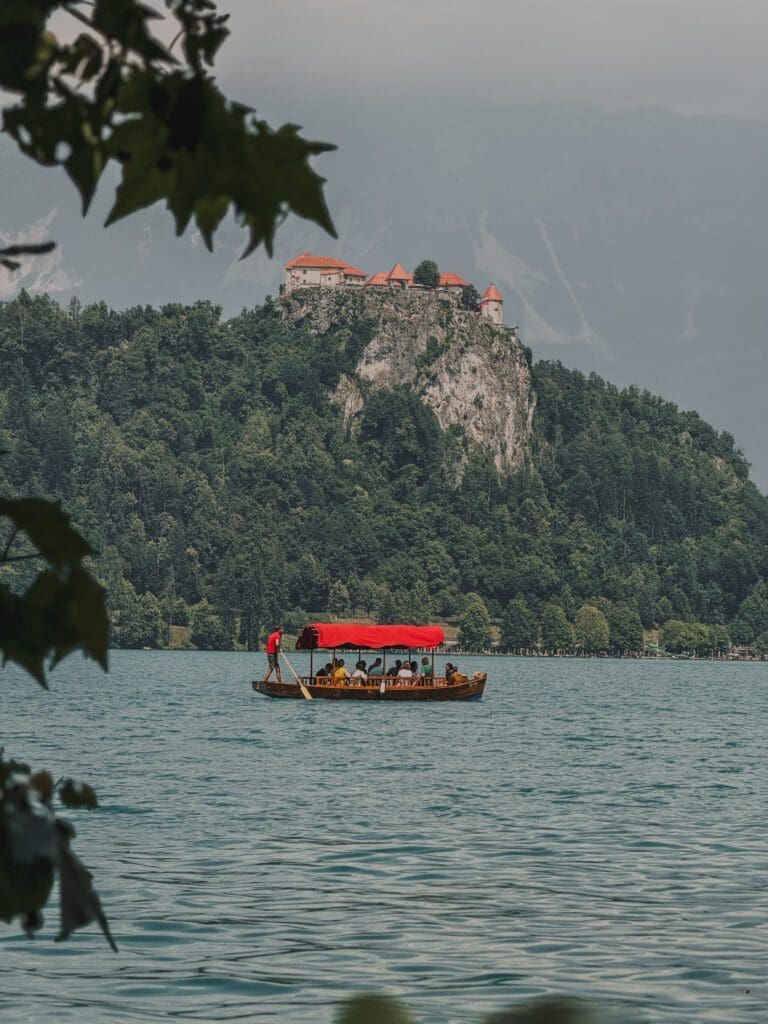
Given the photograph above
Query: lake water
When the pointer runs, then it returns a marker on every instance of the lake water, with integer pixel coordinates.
(590, 827)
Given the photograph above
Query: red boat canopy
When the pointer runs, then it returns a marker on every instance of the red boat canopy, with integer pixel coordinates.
(329, 635)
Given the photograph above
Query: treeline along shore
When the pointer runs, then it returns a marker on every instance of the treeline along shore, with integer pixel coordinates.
(653, 653)
(226, 482)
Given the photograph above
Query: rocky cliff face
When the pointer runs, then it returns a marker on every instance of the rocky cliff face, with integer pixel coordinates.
(473, 374)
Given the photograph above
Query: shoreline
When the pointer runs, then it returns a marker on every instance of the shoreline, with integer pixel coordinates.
(456, 653)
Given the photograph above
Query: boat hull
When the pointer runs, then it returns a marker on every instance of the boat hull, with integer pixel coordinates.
(472, 689)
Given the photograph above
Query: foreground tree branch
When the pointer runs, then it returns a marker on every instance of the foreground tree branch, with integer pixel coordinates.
(117, 94)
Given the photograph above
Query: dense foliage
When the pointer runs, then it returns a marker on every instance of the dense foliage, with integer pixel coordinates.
(208, 467)
(427, 273)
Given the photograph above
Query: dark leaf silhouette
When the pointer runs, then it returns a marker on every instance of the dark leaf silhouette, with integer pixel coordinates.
(8, 255)
(77, 794)
(117, 93)
(80, 904)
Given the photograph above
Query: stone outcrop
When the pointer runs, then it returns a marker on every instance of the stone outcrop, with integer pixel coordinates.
(474, 374)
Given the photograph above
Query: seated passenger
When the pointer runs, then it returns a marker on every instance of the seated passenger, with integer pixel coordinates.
(376, 667)
(359, 676)
(405, 672)
(322, 675)
(395, 669)
(340, 676)
(426, 670)
(449, 670)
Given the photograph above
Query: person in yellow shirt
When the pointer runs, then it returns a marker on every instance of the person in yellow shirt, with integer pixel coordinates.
(340, 676)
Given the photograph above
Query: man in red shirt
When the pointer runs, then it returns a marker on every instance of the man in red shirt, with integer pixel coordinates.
(274, 646)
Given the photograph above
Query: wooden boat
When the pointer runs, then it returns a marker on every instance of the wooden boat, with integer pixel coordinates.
(354, 637)
(439, 689)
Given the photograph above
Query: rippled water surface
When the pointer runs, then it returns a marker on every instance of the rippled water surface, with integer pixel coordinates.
(590, 827)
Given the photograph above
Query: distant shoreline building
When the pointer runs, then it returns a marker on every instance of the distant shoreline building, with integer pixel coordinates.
(311, 271)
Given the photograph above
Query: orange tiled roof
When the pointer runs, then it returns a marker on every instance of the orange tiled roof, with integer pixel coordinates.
(453, 281)
(351, 271)
(377, 280)
(307, 259)
(492, 294)
(399, 273)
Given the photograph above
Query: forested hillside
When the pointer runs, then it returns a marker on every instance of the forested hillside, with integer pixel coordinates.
(206, 463)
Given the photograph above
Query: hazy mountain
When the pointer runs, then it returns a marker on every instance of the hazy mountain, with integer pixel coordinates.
(632, 243)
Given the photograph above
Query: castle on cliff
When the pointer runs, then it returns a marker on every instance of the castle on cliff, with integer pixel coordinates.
(310, 271)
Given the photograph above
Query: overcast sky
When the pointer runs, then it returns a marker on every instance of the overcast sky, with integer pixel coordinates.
(692, 56)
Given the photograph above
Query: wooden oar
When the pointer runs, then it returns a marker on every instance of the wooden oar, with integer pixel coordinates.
(304, 691)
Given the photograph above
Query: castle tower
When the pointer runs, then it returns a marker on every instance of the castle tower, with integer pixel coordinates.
(398, 277)
(492, 304)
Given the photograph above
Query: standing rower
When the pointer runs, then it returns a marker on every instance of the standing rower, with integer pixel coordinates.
(274, 646)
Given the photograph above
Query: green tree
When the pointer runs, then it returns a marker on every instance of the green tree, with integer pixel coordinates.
(470, 298)
(590, 630)
(702, 642)
(295, 620)
(519, 626)
(368, 596)
(175, 611)
(138, 621)
(625, 628)
(338, 600)
(475, 624)
(677, 637)
(389, 611)
(415, 603)
(721, 638)
(399, 429)
(752, 617)
(427, 273)
(556, 632)
(208, 630)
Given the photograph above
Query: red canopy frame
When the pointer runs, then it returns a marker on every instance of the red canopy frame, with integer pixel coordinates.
(352, 635)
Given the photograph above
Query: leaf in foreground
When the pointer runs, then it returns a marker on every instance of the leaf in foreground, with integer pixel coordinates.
(35, 848)
(372, 1009)
(79, 902)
